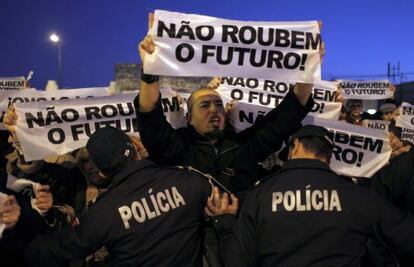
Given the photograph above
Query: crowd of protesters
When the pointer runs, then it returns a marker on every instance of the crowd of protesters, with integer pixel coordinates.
(198, 196)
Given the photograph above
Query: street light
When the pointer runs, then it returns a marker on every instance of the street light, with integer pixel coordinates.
(56, 40)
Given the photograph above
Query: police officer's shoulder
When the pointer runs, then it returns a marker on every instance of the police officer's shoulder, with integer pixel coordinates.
(262, 182)
(204, 176)
(189, 170)
(185, 168)
(346, 178)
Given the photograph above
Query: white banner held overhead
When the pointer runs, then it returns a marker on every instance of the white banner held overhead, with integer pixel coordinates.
(195, 45)
(366, 90)
(358, 151)
(31, 95)
(406, 117)
(54, 128)
(12, 83)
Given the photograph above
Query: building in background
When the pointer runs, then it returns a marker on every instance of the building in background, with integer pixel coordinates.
(127, 77)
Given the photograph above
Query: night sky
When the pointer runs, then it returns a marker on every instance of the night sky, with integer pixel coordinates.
(361, 36)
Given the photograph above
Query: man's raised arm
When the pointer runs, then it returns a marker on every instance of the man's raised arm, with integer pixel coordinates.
(150, 87)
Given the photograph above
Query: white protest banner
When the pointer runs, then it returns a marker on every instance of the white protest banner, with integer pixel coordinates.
(376, 124)
(326, 110)
(406, 121)
(324, 94)
(358, 151)
(324, 91)
(31, 95)
(407, 135)
(5, 96)
(244, 115)
(366, 90)
(254, 91)
(257, 97)
(12, 83)
(18, 184)
(265, 92)
(52, 128)
(173, 107)
(406, 117)
(195, 45)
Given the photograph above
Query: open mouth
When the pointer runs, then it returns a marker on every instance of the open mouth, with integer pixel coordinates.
(215, 121)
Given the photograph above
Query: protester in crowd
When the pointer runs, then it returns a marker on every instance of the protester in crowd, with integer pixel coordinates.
(306, 215)
(85, 187)
(388, 111)
(354, 114)
(207, 143)
(149, 216)
(64, 183)
(24, 218)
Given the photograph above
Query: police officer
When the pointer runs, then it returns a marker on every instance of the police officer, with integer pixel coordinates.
(306, 215)
(149, 216)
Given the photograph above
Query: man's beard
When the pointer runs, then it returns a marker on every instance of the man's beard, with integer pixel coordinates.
(214, 134)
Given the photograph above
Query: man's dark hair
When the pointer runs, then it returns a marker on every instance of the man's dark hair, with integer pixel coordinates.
(190, 99)
(317, 145)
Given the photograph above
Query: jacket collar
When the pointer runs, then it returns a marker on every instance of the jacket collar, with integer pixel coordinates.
(224, 144)
(130, 168)
(198, 137)
(294, 164)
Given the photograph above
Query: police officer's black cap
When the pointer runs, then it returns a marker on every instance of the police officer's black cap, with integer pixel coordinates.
(313, 130)
(110, 149)
(307, 131)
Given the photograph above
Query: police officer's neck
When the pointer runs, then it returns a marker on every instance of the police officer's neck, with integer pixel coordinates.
(307, 155)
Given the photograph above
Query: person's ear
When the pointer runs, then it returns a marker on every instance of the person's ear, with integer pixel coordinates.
(293, 151)
(188, 118)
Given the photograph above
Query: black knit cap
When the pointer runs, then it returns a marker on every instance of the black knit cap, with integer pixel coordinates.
(110, 149)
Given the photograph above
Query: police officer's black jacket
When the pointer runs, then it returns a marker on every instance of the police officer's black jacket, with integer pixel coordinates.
(306, 215)
(234, 160)
(149, 216)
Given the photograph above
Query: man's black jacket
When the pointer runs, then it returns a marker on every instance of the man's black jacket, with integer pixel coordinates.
(234, 160)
